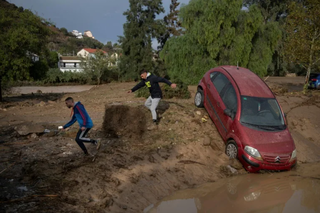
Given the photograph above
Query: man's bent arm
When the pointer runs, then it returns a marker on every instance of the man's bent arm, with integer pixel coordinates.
(160, 79)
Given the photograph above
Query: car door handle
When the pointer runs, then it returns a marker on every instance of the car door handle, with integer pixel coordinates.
(208, 86)
(218, 103)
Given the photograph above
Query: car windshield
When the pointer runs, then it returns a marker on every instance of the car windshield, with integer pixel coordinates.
(262, 113)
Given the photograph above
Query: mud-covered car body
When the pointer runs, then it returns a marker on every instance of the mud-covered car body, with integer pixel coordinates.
(248, 117)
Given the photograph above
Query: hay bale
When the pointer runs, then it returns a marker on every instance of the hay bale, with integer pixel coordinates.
(124, 121)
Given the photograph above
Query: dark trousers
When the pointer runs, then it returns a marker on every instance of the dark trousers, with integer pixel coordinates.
(81, 138)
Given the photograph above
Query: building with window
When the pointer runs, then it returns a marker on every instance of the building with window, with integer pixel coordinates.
(70, 63)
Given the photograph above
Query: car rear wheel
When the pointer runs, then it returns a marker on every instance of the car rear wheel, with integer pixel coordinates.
(199, 98)
(232, 149)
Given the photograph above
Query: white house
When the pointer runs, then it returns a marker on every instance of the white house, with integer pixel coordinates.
(86, 52)
(88, 34)
(70, 63)
(116, 58)
(77, 34)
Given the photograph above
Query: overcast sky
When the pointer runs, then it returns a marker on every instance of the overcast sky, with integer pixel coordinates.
(104, 18)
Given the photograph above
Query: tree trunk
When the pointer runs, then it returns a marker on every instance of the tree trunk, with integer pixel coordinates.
(311, 57)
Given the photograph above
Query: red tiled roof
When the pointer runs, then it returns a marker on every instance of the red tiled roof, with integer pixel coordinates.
(93, 50)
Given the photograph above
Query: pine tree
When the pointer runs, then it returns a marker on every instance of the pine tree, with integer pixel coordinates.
(173, 24)
(139, 30)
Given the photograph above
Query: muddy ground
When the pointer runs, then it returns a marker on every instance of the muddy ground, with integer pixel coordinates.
(134, 167)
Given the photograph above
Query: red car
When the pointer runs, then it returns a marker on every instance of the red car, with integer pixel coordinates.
(248, 117)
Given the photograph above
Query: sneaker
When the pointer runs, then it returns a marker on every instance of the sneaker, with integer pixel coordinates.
(97, 143)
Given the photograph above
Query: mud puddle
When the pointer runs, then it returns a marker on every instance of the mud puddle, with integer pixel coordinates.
(277, 193)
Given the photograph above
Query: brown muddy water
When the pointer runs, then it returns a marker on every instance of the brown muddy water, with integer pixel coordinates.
(272, 193)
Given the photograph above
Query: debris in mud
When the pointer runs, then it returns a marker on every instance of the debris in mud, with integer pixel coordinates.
(235, 164)
(24, 130)
(124, 121)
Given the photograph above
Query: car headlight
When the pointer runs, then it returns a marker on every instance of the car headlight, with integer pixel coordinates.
(253, 152)
(252, 196)
(294, 155)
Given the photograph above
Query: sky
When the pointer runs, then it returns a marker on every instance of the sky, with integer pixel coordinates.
(104, 18)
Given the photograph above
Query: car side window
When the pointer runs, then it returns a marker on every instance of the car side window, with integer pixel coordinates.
(220, 81)
(229, 98)
(212, 75)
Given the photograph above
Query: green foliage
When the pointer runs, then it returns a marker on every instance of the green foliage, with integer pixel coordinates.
(139, 30)
(220, 33)
(73, 45)
(53, 59)
(22, 35)
(95, 66)
(303, 34)
(57, 76)
(181, 91)
(173, 24)
(64, 31)
(39, 69)
(274, 11)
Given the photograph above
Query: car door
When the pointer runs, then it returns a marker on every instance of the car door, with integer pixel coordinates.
(209, 96)
(229, 101)
(217, 85)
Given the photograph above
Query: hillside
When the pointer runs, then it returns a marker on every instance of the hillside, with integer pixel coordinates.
(61, 40)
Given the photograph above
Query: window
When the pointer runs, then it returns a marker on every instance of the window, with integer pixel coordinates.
(75, 65)
(229, 98)
(263, 113)
(220, 81)
(212, 75)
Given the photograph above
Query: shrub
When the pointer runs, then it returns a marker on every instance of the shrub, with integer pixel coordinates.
(181, 91)
(57, 76)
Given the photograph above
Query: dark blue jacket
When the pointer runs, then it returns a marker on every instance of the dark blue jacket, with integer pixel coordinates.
(152, 82)
(80, 114)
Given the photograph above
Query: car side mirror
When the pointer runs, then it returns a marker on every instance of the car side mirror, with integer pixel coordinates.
(229, 113)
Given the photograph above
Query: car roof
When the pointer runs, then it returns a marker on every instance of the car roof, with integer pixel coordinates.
(248, 82)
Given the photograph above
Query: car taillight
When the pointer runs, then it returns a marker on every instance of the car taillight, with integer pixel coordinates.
(314, 79)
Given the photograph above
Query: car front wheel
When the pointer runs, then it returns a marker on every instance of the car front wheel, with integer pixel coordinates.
(232, 149)
(198, 99)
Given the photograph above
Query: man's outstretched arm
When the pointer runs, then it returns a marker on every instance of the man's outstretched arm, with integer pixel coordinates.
(72, 121)
(163, 80)
(138, 86)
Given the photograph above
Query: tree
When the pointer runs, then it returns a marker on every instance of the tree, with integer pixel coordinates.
(274, 11)
(95, 66)
(109, 44)
(53, 59)
(303, 29)
(139, 30)
(219, 33)
(22, 35)
(64, 31)
(173, 24)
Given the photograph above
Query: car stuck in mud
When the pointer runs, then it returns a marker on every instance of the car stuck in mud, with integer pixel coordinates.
(248, 117)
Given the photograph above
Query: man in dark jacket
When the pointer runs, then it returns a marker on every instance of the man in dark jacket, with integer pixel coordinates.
(152, 82)
(80, 114)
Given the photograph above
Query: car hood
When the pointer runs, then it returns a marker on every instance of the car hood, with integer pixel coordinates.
(268, 141)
